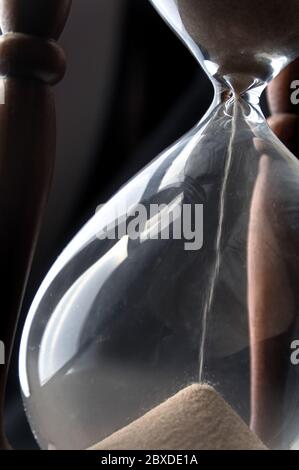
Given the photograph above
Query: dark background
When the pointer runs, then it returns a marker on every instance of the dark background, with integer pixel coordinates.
(131, 90)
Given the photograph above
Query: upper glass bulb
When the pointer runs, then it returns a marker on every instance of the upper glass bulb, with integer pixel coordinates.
(190, 272)
(238, 42)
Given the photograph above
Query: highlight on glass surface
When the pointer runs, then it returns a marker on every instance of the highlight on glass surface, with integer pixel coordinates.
(121, 323)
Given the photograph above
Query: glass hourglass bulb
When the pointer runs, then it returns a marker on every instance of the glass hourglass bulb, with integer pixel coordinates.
(190, 272)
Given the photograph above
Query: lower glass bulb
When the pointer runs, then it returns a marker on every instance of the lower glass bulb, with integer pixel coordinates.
(189, 274)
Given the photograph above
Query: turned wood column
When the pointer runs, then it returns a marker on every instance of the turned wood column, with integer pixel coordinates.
(30, 62)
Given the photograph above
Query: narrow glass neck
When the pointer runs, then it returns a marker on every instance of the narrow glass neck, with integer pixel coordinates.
(224, 94)
(224, 105)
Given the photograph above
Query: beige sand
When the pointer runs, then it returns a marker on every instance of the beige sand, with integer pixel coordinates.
(196, 418)
(243, 36)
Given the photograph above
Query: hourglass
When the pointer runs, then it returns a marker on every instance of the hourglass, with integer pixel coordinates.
(189, 274)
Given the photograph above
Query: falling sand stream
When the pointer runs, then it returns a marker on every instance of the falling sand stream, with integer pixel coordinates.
(216, 266)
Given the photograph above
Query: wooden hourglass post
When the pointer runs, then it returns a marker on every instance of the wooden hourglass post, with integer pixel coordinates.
(30, 62)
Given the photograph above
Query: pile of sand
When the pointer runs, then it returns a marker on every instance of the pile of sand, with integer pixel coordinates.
(197, 418)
